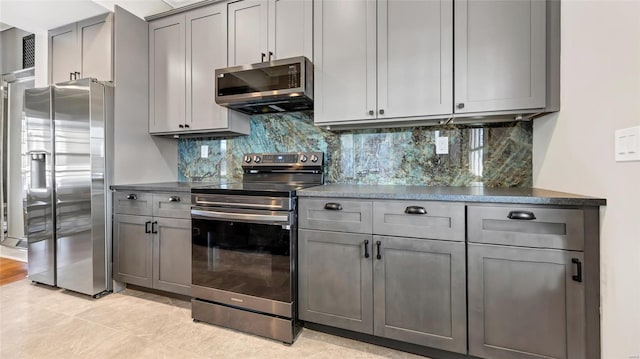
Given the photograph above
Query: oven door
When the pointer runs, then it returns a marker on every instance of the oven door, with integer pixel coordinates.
(244, 258)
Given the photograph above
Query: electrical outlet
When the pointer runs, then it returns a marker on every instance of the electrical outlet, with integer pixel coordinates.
(442, 145)
(627, 144)
(204, 151)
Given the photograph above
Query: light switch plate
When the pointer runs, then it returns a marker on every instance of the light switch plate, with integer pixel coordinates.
(204, 151)
(442, 145)
(627, 144)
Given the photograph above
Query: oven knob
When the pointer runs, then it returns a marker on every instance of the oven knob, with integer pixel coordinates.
(256, 159)
(314, 158)
(247, 159)
(303, 158)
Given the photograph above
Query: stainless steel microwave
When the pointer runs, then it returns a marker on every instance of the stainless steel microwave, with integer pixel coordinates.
(276, 86)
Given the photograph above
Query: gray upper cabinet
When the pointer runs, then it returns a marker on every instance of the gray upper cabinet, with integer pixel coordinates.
(166, 74)
(290, 28)
(262, 30)
(184, 51)
(206, 52)
(335, 279)
(247, 32)
(83, 49)
(500, 49)
(382, 61)
(420, 292)
(525, 303)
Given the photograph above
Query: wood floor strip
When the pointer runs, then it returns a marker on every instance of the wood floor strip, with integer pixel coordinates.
(11, 271)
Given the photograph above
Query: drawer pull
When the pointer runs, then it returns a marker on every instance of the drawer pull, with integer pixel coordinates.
(521, 215)
(333, 206)
(366, 248)
(174, 199)
(578, 276)
(132, 197)
(415, 210)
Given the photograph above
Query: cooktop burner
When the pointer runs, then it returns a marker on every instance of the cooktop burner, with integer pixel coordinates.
(272, 174)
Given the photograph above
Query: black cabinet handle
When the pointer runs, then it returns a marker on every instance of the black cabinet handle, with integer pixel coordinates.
(415, 210)
(70, 76)
(146, 227)
(521, 215)
(132, 197)
(263, 56)
(154, 227)
(333, 206)
(578, 276)
(174, 199)
(186, 126)
(270, 55)
(371, 112)
(460, 105)
(381, 111)
(366, 248)
(181, 126)
(379, 256)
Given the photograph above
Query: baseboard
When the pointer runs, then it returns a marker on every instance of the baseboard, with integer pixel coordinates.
(17, 254)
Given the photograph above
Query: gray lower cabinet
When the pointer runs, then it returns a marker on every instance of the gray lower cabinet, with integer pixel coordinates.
(172, 255)
(151, 249)
(335, 279)
(525, 303)
(420, 292)
(132, 250)
(407, 289)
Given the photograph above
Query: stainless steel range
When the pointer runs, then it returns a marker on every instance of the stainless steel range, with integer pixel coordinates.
(244, 248)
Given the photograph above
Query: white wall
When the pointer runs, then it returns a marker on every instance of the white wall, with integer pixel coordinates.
(573, 150)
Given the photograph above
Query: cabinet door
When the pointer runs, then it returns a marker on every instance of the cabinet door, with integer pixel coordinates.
(95, 39)
(524, 303)
(247, 32)
(64, 55)
(167, 74)
(415, 58)
(206, 52)
(345, 60)
(172, 255)
(420, 292)
(335, 284)
(132, 250)
(291, 28)
(500, 55)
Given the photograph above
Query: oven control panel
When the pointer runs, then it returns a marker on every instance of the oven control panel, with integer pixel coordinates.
(283, 159)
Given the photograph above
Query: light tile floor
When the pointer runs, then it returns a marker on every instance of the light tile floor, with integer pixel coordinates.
(37, 321)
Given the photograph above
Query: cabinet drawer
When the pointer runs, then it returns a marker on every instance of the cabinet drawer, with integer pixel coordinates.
(433, 220)
(132, 202)
(172, 204)
(335, 214)
(527, 226)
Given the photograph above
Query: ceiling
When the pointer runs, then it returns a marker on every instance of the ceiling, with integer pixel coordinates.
(42, 15)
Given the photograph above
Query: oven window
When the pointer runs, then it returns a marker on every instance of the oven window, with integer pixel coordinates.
(246, 258)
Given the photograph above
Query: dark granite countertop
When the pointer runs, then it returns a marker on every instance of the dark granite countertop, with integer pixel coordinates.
(163, 186)
(457, 194)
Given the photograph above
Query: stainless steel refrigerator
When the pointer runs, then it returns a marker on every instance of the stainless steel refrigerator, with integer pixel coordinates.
(68, 145)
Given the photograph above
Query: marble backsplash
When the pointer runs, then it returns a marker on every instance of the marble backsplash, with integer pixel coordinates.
(497, 155)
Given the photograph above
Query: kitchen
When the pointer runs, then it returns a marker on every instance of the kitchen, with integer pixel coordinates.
(545, 153)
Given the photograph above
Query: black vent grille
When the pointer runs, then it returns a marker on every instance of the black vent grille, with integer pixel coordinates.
(28, 51)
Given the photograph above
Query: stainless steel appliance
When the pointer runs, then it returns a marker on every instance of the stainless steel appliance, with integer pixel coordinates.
(244, 248)
(68, 147)
(276, 86)
(12, 86)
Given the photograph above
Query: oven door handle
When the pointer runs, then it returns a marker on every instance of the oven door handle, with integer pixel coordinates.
(247, 217)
